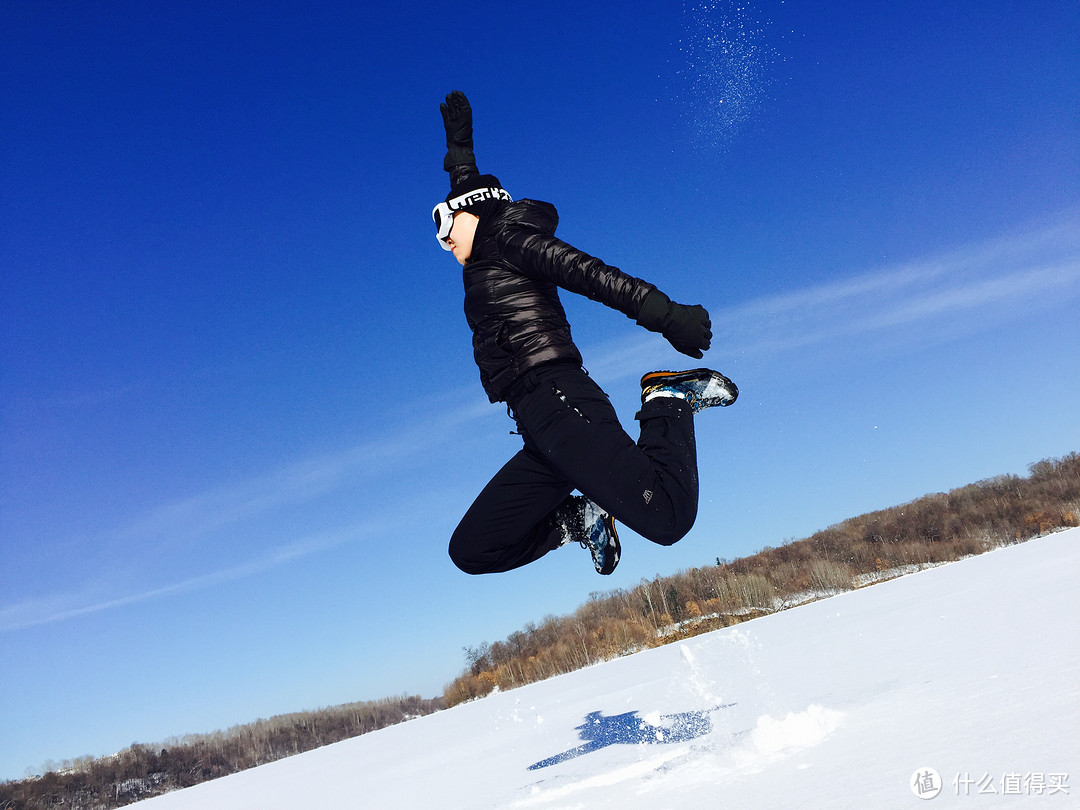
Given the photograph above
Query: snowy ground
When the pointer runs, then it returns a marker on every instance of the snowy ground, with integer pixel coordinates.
(971, 670)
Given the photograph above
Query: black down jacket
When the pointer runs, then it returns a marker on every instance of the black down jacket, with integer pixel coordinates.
(511, 293)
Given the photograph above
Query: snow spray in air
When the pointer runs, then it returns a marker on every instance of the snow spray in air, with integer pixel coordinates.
(727, 70)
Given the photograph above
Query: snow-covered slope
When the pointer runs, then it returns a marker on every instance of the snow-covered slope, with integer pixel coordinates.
(971, 670)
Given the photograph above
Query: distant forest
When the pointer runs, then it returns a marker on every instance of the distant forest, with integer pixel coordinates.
(142, 771)
(934, 529)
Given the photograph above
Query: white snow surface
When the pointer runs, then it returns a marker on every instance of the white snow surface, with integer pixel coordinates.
(970, 669)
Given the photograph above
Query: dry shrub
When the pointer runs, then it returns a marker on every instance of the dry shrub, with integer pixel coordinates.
(826, 575)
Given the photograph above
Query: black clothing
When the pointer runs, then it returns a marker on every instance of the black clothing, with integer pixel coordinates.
(457, 120)
(572, 436)
(471, 183)
(573, 440)
(511, 293)
(687, 328)
(511, 288)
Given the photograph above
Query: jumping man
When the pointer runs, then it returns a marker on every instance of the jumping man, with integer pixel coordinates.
(573, 441)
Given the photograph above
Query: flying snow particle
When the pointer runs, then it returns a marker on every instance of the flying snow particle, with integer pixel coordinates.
(727, 70)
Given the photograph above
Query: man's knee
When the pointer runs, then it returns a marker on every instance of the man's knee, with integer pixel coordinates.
(460, 556)
(668, 537)
(468, 566)
(674, 531)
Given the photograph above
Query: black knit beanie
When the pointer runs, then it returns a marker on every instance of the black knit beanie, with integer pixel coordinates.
(486, 206)
(472, 183)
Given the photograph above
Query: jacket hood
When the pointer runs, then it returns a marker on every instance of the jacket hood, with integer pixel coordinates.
(541, 216)
(535, 215)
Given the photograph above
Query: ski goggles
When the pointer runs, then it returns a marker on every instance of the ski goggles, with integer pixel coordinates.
(443, 213)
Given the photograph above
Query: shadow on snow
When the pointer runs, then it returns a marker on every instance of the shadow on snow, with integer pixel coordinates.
(600, 731)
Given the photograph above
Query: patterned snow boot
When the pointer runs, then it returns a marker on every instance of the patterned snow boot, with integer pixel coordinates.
(701, 387)
(582, 521)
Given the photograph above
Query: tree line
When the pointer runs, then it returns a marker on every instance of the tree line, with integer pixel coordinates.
(936, 528)
(142, 771)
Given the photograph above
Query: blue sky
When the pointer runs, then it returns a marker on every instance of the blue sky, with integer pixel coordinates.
(239, 416)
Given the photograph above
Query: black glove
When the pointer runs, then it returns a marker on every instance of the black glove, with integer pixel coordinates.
(687, 328)
(457, 118)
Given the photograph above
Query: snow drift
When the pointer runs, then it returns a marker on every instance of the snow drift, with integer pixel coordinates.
(960, 682)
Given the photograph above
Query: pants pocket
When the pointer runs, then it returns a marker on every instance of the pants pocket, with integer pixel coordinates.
(559, 395)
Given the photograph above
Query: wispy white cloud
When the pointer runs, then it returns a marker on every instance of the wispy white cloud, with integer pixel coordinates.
(1013, 288)
(990, 281)
(143, 546)
(985, 283)
(89, 600)
(308, 478)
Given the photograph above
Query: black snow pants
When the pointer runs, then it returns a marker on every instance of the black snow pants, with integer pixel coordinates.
(573, 441)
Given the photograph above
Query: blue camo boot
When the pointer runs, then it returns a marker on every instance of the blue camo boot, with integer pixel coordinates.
(601, 538)
(701, 387)
(581, 520)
